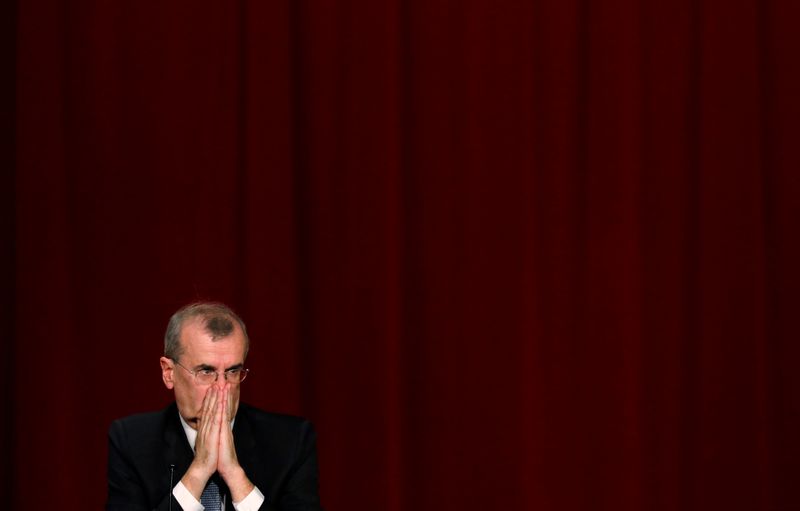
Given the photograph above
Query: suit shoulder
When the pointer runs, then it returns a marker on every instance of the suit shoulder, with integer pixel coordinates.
(139, 427)
(140, 419)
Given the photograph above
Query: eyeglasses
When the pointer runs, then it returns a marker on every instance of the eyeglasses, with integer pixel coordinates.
(208, 376)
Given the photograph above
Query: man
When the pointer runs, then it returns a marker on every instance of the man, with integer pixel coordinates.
(206, 450)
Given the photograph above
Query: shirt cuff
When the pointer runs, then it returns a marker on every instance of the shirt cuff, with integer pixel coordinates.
(252, 502)
(186, 499)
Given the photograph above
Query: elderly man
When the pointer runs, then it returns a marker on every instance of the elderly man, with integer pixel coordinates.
(206, 450)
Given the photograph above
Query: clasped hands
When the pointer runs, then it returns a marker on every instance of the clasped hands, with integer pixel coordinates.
(214, 448)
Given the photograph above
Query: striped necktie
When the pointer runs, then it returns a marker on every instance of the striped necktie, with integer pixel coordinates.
(210, 499)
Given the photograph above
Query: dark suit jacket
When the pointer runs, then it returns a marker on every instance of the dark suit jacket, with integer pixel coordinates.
(148, 454)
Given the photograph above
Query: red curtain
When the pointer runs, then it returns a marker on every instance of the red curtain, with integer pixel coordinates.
(505, 255)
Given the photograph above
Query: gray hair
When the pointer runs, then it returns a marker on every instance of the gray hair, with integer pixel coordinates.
(217, 320)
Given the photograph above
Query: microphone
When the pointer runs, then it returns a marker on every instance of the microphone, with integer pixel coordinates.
(171, 475)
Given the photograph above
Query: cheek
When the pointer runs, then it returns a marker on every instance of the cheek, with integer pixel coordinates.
(198, 394)
(191, 396)
(235, 397)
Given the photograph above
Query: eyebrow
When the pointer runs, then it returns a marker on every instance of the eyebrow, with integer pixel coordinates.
(204, 367)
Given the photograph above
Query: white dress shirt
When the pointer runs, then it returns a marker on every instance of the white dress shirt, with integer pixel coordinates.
(187, 501)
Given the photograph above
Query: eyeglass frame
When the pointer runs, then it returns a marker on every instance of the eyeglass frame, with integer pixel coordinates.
(243, 370)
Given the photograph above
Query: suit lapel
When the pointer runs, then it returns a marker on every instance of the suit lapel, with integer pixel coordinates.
(255, 454)
(176, 447)
(245, 443)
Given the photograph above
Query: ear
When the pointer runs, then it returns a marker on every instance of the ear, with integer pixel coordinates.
(167, 372)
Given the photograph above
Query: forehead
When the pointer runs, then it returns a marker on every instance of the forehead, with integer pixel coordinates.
(200, 348)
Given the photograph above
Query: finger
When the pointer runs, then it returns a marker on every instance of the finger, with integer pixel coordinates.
(229, 404)
(227, 452)
(211, 403)
(206, 401)
(209, 408)
(210, 430)
(225, 440)
(201, 444)
(225, 408)
(225, 436)
(220, 406)
(213, 421)
(214, 426)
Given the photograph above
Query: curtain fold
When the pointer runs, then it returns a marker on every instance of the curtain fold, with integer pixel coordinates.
(505, 255)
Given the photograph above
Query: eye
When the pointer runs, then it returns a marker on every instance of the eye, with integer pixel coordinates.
(206, 372)
(233, 372)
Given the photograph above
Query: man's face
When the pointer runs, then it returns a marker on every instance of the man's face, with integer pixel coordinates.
(200, 352)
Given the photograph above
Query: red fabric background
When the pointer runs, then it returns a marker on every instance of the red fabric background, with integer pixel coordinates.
(505, 255)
